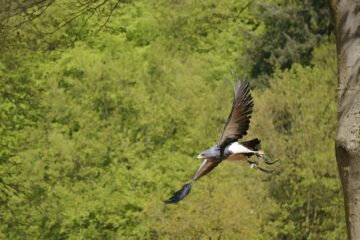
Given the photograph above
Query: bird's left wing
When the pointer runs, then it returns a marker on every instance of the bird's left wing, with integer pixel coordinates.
(205, 167)
(238, 121)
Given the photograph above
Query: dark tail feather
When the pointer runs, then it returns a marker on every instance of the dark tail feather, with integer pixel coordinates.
(253, 144)
(179, 195)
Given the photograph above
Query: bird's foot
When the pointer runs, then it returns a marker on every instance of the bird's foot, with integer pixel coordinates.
(255, 165)
(266, 161)
(261, 154)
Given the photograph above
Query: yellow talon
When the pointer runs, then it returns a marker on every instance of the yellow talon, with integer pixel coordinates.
(261, 153)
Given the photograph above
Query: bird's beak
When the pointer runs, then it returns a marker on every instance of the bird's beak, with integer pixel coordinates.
(200, 156)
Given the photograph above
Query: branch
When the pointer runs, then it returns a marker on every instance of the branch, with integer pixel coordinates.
(110, 14)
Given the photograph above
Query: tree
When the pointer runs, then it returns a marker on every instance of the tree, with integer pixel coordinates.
(305, 187)
(97, 127)
(346, 16)
(48, 24)
(292, 29)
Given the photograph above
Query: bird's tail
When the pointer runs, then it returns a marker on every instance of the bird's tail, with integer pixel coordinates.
(180, 195)
(253, 144)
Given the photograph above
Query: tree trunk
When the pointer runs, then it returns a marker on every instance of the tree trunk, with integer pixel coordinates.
(346, 16)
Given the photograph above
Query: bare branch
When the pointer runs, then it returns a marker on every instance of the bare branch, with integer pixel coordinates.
(17, 14)
(109, 15)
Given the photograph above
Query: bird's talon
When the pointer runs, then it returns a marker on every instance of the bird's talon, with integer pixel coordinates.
(266, 161)
(260, 154)
(264, 170)
(255, 165)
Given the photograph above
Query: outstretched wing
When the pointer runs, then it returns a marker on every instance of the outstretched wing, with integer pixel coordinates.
(238, 121)
(205, 167)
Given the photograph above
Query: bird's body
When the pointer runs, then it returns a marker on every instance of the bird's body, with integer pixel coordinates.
(237, 152)
(233, 151)
(228, 146)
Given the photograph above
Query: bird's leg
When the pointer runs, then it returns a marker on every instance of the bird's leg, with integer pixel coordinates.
(263, 169)
(261, 154)
(253, 162)
(255, 165)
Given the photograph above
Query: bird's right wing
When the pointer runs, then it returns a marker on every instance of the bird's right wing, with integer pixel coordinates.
(205, 167)
(238, 121)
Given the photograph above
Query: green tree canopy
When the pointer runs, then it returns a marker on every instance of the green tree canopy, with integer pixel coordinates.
(100, 123)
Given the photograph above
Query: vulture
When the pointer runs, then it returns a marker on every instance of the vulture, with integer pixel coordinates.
(229, 147)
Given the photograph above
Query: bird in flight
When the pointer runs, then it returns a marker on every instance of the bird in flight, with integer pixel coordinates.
(228, 147)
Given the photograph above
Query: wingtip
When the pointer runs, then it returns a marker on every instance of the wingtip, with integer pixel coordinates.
(167, 202)
(179, 195)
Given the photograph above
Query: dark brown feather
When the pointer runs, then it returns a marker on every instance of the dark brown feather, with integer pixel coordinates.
(253, 144)
(204, 169)
(208, 167)
(238, 121)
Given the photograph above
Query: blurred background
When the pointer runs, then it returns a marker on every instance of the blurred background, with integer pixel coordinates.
(104, 106)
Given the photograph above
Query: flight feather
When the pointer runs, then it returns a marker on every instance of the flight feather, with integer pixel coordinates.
(238, 121)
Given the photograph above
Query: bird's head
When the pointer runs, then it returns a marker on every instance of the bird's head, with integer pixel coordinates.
(212, 152)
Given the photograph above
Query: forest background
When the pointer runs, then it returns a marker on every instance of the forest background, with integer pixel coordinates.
(104, 106)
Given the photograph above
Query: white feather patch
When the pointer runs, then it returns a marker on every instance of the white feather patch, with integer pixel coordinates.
(236, 147)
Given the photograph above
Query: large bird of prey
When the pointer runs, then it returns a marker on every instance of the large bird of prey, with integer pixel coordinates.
(228, 147)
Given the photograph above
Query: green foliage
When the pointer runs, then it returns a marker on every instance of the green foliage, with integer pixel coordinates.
(296, 118)
(291, 31)
(99, 127)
